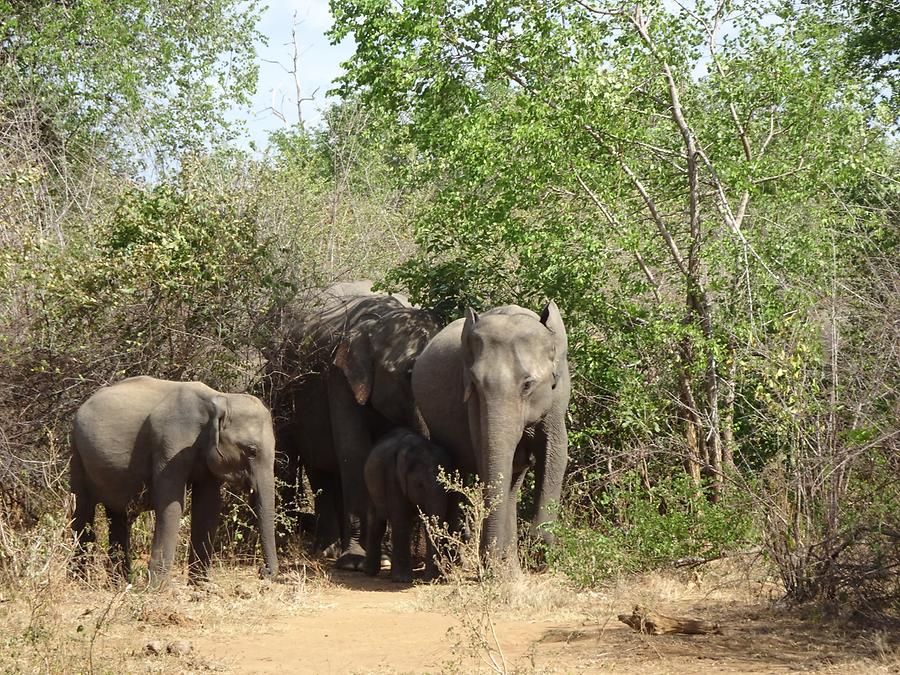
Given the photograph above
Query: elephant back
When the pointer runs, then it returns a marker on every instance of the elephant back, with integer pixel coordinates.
(316, 321)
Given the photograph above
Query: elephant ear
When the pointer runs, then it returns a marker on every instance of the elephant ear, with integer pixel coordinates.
(356, 359)
(552, 319)
(218, 422)
(411, 467)
(404, 466)
(468, 358)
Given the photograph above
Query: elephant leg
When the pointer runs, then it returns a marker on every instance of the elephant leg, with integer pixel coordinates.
(550, 448)
(376, 526)
(83, 521)
(168, 504)
(206, 506)
(510, 542)
(402, 519)
(83, 517)
(120, 544)
(352, 443)
(326, 497)
(448, 548)
(290, 489)
(432, 570)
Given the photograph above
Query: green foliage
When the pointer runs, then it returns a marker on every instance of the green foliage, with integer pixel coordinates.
(127, 76)
(874, 39)
(525, 117)
(174, 281)
(486, 153)
(333, 199)
(701, 188)
(182, 279)
(179, 276)
(631, 527)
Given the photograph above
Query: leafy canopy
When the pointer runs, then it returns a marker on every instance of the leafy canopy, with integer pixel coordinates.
(139, 74)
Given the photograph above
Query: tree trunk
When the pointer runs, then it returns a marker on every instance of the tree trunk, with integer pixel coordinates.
(688, 414)
(728, 414)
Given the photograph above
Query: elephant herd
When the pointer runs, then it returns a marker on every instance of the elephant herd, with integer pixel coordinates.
(372, 398)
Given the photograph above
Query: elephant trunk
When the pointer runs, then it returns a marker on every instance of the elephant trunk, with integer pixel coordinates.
(500, 431)
(264, 489)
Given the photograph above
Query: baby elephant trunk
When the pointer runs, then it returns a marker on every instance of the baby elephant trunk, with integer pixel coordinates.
(264, 505)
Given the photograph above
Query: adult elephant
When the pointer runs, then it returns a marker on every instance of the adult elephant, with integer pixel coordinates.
(137, 445)
(493, 389)
(350, 353)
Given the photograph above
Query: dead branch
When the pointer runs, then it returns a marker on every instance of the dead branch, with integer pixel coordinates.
(643, 620)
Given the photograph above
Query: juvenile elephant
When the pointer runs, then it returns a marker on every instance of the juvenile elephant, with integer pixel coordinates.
(402, 479)
(353, 350)
(137, 444)
(493, 389)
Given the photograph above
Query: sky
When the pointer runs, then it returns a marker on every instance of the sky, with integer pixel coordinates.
(318, 65)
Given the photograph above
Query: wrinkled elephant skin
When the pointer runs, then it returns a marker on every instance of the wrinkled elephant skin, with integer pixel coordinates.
(139, 443)
(401, 477)
(493, 389)
(357, 349)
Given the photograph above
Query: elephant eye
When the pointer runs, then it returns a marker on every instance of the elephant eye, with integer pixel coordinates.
(528, 386)
(251, 451)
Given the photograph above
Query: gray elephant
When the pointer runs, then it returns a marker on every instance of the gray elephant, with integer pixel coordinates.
(137, 445)
(493, 389)
(402, 480)
(360, 347)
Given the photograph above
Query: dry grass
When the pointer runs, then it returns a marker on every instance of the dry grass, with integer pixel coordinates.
(522, 623)
(51, 622)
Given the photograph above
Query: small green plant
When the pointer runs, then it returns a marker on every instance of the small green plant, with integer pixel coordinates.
(474, 588)
(632, 528)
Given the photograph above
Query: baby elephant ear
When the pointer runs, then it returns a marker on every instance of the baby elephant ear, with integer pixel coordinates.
(403, 467)
(356, 359)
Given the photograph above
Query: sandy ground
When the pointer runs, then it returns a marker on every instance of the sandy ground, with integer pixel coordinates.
(321, 621)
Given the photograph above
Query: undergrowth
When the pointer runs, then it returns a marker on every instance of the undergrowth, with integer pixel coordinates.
(630, 527)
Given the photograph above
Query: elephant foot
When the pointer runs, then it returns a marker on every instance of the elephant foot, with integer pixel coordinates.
(78, 567)
(157, 583)
(431, 574)
(267, 574)
(351, 560)
(399, 577)
(372, 567)
(331, 552)
(199, 580)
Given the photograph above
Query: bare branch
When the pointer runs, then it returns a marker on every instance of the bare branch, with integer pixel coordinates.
(654, 285)
(766, 179)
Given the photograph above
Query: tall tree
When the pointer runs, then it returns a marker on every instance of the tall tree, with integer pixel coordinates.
(665, 170)
(130, 75)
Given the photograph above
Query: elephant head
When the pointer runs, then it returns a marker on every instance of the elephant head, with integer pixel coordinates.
(417, 474)
(377, 359)
(513, 361)
(241, 451)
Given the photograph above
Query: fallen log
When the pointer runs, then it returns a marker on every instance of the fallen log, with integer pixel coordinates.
(643, 620)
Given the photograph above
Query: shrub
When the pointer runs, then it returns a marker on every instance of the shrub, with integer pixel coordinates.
(630, 526)
(173, 282)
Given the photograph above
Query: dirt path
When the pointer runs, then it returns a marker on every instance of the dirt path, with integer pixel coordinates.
(348, 623)
(367, 625)
(359, 625)
(364, 629)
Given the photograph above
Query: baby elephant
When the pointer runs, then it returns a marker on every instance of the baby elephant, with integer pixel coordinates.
(137, 444)
(402, 478)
